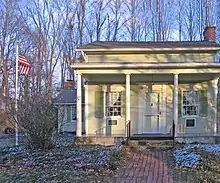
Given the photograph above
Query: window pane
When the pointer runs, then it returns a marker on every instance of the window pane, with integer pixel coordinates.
(190, 122)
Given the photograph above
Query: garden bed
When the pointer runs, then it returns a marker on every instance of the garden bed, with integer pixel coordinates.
(202, 159)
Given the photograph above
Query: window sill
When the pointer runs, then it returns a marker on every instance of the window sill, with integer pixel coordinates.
(190, 116)
(112, 117)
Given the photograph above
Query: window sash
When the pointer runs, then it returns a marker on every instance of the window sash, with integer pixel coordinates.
(113, 105)
(190, 103)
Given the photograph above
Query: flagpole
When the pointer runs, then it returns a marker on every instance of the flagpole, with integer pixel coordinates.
(16, 96)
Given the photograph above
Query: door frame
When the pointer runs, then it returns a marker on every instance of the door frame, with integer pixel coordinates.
(162, 107)
(157, 115)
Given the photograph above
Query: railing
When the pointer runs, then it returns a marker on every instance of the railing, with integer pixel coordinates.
(173, 133)
(100, 131)
(128, 130)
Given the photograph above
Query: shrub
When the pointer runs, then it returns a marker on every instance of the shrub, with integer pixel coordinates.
(38, 118)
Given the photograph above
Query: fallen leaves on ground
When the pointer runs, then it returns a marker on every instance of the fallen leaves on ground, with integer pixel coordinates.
(61, 164)
(202, 159)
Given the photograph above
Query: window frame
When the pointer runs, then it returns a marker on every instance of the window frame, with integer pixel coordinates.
(190, 126)
(108, 93)
(182, 105)
(113, 120)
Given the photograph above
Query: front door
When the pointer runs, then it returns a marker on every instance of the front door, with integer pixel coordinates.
(151, 113)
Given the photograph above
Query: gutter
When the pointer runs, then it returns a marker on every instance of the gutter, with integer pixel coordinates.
(143, 65)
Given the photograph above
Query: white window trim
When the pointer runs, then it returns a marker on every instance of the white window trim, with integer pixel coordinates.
(105, 107)
(113, 117)
(188, 116)
(190, 126)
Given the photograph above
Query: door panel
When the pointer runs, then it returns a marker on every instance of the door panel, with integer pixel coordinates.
(152, 103)
(151, 116)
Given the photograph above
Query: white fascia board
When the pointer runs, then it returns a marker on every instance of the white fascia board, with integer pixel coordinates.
(148, 49)
(143, 65)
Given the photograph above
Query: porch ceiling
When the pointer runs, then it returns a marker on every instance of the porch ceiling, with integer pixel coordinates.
(148, 78)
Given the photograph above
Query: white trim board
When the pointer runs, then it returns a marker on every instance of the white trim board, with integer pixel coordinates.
(86, 113)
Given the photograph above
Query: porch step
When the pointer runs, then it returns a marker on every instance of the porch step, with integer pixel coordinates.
(151, 137)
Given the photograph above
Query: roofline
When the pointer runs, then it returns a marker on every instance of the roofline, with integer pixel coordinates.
(143, 65)
(212, 48)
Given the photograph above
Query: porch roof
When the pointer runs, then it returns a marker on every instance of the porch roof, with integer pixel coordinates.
(136, 65)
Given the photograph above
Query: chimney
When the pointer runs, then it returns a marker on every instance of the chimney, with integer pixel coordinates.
(210, 34)
(68, 84)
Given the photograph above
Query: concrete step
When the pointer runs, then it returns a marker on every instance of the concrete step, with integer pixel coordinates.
(151, 137)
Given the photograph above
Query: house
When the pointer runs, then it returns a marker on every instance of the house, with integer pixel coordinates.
(66, 109)
(137, 88)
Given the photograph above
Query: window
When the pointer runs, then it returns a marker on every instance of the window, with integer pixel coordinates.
(190, 103)
(113, 103)
(73, 112)
(190, 122)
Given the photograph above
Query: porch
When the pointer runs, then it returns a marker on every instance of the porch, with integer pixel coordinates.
(151, 112)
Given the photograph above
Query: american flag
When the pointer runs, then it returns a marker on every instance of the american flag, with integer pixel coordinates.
(24, 66)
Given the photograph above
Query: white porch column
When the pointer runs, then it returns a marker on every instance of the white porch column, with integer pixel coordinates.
(175, 103)
(128, 110)
(216, 127)
(79, 106)
(86, 115)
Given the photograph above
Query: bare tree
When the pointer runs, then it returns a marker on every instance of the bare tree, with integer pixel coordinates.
(8, 35)
(95, 26)
(115, 20)
(180, 16)
(81, 13)
(191, 20)
(44, 33)
(145, 19)
(133, 24)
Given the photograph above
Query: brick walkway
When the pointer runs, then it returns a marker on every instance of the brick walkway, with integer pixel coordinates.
(149, 167)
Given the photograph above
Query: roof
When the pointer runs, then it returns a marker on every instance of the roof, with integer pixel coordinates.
(67, 96)
(127, 45)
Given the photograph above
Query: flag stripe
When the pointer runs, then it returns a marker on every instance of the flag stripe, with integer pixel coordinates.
(23, 60)
(24, 66)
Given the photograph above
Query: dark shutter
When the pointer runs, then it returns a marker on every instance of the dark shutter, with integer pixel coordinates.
(69, 113)
(123, 104)
(180, 103)
(203, 103)
(99, 104)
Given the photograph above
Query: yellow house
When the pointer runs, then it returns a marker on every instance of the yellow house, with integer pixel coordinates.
(149, 86)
